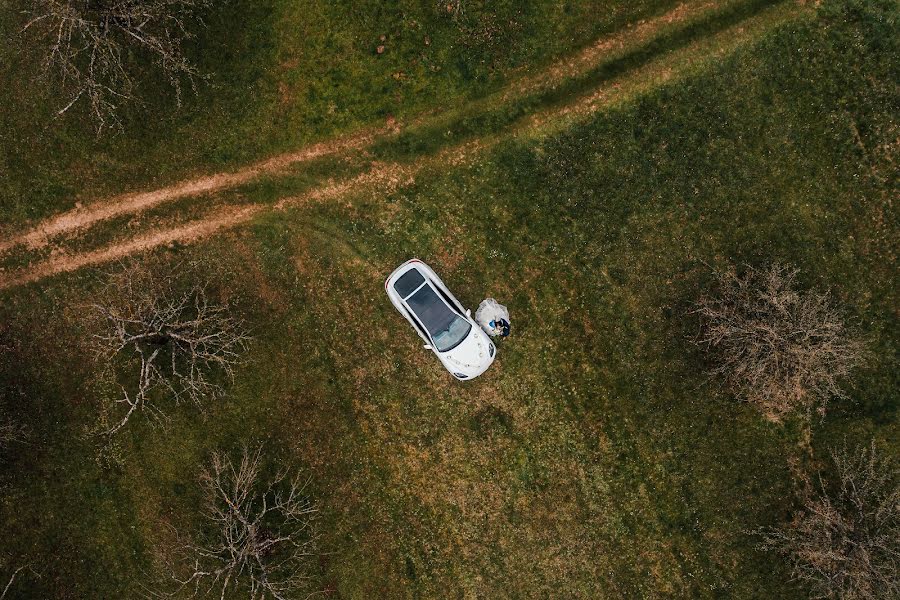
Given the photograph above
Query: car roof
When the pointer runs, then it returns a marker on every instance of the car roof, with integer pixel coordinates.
(431, 310)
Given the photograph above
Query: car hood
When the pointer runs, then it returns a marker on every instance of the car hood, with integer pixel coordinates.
(472, 355)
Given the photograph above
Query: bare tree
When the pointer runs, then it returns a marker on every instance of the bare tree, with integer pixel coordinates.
(88, 47)
(177, 343)
(258, 536)
(845, 543)
(778, 348)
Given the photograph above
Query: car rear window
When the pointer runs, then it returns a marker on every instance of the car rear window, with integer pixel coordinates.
(408, 282)
(431, 310)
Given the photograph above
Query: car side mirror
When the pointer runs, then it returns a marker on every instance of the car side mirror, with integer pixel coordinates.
(468, 312)
(427, 346)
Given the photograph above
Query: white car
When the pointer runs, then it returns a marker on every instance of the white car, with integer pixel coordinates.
(446, 327)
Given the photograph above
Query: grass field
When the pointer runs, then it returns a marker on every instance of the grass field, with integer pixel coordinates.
(595, 459)
(281, 74)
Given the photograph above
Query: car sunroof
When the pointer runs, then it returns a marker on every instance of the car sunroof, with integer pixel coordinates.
(431, 310)
(408, 282)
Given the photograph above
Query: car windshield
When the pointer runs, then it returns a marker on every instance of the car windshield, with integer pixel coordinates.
(450, 338)
(447, 329)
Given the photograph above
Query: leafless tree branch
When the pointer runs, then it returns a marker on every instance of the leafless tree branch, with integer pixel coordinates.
(258, 537)
(176, 342)
(777, 348)
(88, 45)
(10, 582)
(845, 543)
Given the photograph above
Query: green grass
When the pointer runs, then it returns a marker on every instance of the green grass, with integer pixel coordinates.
(282, 74)
(595, 457)
(679, 46)
(292, 182)
(469, 123)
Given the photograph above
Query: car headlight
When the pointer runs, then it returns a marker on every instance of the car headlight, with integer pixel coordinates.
(460, 376)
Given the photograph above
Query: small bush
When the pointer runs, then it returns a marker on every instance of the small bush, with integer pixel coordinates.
(778, 348)
(845, 543)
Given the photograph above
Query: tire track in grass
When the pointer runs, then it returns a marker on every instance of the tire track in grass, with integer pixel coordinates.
(476, 119)
(592, 55)
(182, 234)
(388, 176)
(384, 176)
(84, 217)
(693, 57)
